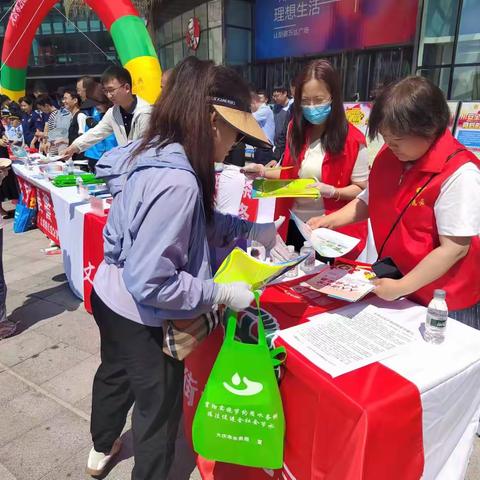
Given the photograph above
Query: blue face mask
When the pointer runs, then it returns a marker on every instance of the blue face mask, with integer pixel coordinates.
(317, 114)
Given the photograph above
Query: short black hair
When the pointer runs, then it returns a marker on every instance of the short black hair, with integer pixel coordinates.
(115, 72)
(412, 106)
(280, 89)
(44, 100)
(261, 91)
(73, 94)
(27, 99)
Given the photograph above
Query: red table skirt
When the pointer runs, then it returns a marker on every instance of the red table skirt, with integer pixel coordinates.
(364, 425)
(92, 252)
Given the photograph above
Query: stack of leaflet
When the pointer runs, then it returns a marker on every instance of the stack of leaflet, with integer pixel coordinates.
(297, 188)
(241, 267)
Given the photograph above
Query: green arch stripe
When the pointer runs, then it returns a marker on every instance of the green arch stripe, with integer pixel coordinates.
(13, 78)
(129, 44)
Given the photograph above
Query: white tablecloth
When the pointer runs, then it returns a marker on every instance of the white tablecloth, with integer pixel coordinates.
(69, 212)
(448, 379)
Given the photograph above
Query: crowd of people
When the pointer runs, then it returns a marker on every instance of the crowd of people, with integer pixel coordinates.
(421, 198)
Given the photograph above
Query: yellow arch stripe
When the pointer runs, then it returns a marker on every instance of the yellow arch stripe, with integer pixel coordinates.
(13, 94)
(146, 76)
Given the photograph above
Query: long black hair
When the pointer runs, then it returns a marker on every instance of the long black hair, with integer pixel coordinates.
(182, 115)
(333, 140)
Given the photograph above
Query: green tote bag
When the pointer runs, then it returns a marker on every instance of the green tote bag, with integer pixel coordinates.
(240, 418)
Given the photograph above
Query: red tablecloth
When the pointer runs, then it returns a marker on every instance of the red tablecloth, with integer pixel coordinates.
(92, 252)
(365, 425)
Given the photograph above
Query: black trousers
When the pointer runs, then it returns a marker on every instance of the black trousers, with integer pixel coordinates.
(134, 370)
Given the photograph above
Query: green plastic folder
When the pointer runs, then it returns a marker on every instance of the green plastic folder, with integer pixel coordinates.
(297, 188)
(71, 180)
(241, 267)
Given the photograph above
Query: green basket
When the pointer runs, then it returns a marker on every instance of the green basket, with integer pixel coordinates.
(71, 180)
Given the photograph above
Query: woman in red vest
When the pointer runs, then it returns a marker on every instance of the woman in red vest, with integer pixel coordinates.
(423, 201)
(321, 144)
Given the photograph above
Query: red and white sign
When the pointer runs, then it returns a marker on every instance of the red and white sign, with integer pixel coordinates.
(46, 220)
(193, 33)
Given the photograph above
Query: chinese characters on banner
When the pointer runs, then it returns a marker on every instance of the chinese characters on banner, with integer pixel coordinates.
(468, 126)
(28, 191)
(46, 220)
(301, 27)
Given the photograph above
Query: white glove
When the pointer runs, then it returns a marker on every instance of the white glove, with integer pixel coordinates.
(266, 233)
(236, 295)
(326, 191)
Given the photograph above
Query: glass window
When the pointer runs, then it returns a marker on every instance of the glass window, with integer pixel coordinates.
(468, 48)
(239, 46)
(214, 13)
(202, 50)
(466, 83)
(169, 63)
(185, 18)
(82, 25)
(46, 28)
(69, 27)
(167, 32)
(95, 25)
(215, 47)
(161, 35)
(239, 13)
(438, 31)
(439, 76)
(177, 51)
(58, 27)
(177, 28)
(201, 14)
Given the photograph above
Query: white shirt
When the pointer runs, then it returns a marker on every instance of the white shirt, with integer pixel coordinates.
(311, 167)
(230, 185)
(457, 209)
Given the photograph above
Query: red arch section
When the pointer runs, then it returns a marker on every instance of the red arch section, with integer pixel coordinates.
(27, 15)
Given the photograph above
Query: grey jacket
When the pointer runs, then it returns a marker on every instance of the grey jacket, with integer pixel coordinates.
(157, 236)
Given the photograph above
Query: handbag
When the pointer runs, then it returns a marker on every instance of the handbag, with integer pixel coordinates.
(182, 337)
(240, 418)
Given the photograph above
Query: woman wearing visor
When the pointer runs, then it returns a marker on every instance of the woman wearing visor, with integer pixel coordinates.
(321, 144)
(157, 264)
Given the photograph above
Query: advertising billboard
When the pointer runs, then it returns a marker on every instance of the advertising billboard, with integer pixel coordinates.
(287, 28)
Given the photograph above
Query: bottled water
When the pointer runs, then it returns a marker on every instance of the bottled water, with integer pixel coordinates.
(70, 166)
(436, 321)
(257, 250)
(308, 265)
(293, 273)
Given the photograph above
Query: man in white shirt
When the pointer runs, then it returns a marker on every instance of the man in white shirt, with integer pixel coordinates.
(128, 119)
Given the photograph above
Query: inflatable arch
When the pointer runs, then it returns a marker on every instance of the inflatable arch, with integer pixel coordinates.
(120, 17)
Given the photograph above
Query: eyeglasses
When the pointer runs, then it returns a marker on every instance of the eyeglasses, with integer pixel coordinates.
(111, 91)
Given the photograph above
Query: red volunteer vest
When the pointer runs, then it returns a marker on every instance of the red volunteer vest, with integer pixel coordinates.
(391, 188)
(337, 171)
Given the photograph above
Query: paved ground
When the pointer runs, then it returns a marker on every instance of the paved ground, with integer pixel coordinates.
(46, 373)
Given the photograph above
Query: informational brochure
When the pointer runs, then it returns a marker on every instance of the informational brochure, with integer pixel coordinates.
(349, 285)
(297, 188)
(241, 267)
(328, 243)
(339, 344)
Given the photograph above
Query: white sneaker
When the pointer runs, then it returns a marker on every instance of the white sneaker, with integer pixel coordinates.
(97, 461)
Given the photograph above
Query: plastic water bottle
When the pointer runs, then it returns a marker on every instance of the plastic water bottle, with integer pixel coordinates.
(436, 321)
(258, 251)
(70, 166)
(79, 183)
(293, 273)
(308, 265)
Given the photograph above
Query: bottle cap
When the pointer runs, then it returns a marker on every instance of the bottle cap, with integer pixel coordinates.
(439, 294)
(291, 248)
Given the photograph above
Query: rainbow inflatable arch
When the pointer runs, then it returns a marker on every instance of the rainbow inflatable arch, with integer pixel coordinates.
(128, 31)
